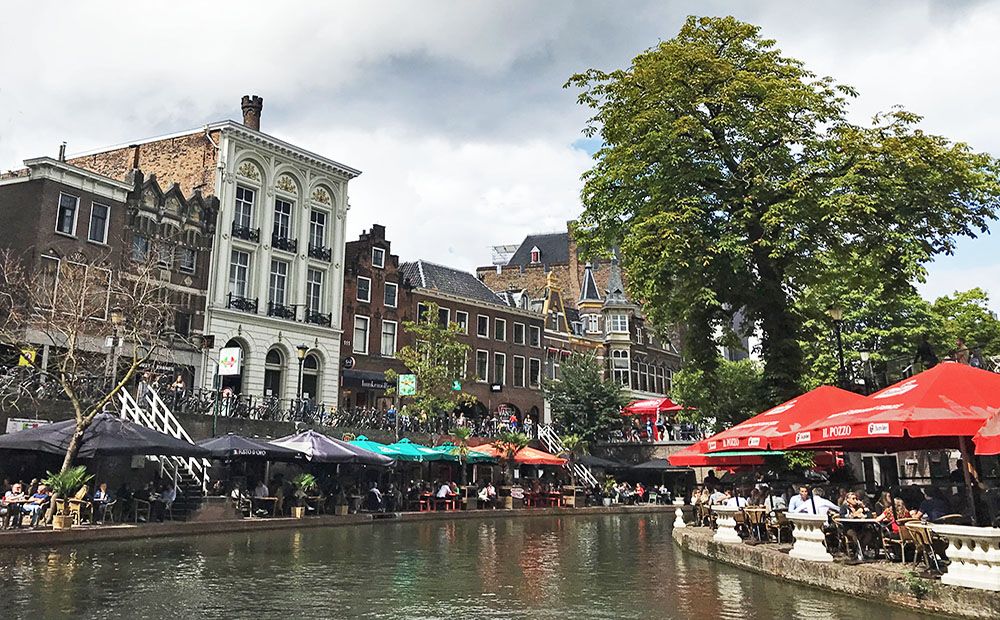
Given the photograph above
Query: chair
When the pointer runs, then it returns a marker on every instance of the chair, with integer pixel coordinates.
(777, 522)
(78, 506)
(106, 511)
(924, 543)
(143, 507)
(755, 522)
(905, 539)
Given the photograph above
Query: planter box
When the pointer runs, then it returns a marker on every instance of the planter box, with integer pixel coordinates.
(809, 539)
(298, 511)
(62, 522)
(340, 510)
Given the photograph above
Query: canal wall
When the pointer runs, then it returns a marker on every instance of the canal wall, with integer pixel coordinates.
(882, 583)
(171, 529)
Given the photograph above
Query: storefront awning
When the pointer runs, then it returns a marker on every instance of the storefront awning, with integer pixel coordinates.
(365, 379)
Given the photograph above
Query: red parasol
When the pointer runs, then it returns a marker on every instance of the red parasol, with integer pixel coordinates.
(524, 456)
(932, 409)
(775, 428)
(696, 455)
(650, 407)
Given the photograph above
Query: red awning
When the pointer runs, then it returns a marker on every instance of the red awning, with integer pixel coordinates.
(931, 409)
(650, 407)
(524, 456)
(988, 438)
(775, 428)
(696, 455)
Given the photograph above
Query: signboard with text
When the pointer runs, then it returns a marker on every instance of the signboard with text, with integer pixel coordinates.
(23, 424)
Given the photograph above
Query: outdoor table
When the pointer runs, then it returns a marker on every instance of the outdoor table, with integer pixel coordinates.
(425, 503)
(858, 524)
(260, 502)
(555, 498)
(317, 503)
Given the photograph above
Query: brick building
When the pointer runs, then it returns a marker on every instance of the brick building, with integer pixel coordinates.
(275, 285)
(505, 341)
(55, 213)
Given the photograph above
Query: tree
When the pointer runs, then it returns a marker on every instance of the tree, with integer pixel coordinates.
(582, 401)
(509, 443)
(67, 307)
(462, 434)
(438, 359)
(732, 180)
(574, 447)
(721, 399)
(966, 315)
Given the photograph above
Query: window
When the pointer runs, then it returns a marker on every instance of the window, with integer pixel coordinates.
(388, 338)
(239, 273)
(164, 254)
(187, 259)
(140, 248)
(482, 366)
(620, 367)
(314, 290)
(500, 330)
(593, 324)
(243, 214)
(499, 368)
(462, 320)
(360, 344)
(518, 371)
(422, 312)
(638, 335)
(279, 280)
(282, 219)
(48, 279)
(364, 289)
(534, 372)
(552, 364)
(66, 215)
(317, 229)
(444, 317)
(534, 336)
(182, 323)
(536, 255)
(99, 216)
(378, 257)
(518, 333)
(391, 292)
(483, 326)
(618, 324)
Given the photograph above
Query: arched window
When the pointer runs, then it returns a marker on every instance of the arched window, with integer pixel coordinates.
(274, 365)
(310, 377)
(620, 366)
(235, 382)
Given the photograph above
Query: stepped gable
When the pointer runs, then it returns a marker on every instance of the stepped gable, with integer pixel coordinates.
(423, 274)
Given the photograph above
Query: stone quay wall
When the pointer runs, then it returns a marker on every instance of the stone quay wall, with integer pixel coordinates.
(866, 581)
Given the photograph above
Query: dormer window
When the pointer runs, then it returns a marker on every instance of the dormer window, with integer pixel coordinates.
(536, 255)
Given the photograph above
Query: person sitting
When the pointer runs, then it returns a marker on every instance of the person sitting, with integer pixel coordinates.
(443, 491)
(162, 502)
(717, 497)
(891, 514)
(933, 507)
(375, 498)
(772, 500)
(859, 538)
(734, 499)
(10, 508)
(36, 505)
(755, 499)
(100, 501)
(795, 503)
(261, 490)
(815, 504)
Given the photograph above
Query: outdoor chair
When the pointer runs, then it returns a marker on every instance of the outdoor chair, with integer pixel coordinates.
(140, 509)
(905, 540)
(756, 523)
(925, 546)
(105, 513)
(79, 507)
(777, 522)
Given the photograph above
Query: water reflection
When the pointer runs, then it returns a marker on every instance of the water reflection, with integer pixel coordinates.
(616, 567)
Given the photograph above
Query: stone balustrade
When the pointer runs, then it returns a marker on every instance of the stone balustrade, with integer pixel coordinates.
(809, 540)
(725, 519)
(974, 553)
(679, 518)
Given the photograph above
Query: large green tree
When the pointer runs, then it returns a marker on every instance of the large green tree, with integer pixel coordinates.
(732, 179)
(966, 315)
(583, 401)
(731, 395)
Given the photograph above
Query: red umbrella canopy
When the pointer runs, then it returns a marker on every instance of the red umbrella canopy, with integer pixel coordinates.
(988, 438)
(650, 407)
(931, 409)
(775, 428)
(696, 455)
(524, 456)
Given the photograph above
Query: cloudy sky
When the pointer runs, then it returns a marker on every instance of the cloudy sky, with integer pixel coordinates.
(455, 111)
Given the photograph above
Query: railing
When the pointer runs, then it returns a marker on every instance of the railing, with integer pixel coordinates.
(318, 318)
(246, 233)
(158, 417)
(282, 311)
(551, 439)
(320, 252)
(284, 243)
(243, 304)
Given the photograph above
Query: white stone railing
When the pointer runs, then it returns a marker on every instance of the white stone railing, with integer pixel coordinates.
(974, 553)
(725, 519)
(679, 518)
(809, 540)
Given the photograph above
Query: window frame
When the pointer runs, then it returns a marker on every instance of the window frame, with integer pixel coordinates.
(498, 356)
(248, 282)
(237, 202)
(479, 325)
(613, 325)
(534, 336)
(273, 278)
(181, 251)
(395, 295)
(107, 223)
(313, 226)
(485, 377)
(519, 383)
(463, 325)
(289, 215)
(496, 329)
(380, 264)
(311, 283)
(357, 291)
(447, 317)
(513, 334)
(395, 337)
(76, 214)
(354, 334)
(535, 378)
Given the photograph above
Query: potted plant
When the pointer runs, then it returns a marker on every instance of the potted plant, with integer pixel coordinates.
(574, 446)
(303, 483)
(64, 485)
(509, 443)
(608, 490)
(461, 450)
(341, 507)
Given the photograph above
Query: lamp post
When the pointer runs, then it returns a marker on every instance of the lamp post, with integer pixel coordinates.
(300, 352)
(837, 314)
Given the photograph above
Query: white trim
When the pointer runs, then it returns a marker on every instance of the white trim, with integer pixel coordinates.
(524, 370)
(524, 333)
(107, 222)
(479, 334)
(503, 379)
(357, 291)
(76, 214)
(447, 321)
(539, 330)
(395, 296)
(535, 381)
(395, 338)
(354, 329)
(476, 303)
(465, 330)
(496, 324)
(487, 373)
(374, 264)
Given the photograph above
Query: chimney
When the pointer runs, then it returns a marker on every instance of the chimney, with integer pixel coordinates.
(135, 156)
(62, 152)
(252, 106)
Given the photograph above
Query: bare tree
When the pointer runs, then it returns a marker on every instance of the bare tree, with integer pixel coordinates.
(74, 305)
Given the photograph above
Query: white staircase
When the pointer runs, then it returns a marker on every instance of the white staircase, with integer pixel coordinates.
(157, 416)
(553, 442)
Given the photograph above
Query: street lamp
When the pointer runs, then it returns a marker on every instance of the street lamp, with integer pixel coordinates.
(300, 352)
(837, 314)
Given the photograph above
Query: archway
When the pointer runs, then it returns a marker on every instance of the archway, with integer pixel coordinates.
(274, 365)
(310, 377)
(235, 382)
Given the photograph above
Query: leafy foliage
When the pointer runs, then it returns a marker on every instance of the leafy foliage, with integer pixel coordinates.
(732, 180)
(583, 402)
(509, 443)
(798, 460)
(67, 482)
(721, 399)
(462, 435)
(438, 359)
(967, 315)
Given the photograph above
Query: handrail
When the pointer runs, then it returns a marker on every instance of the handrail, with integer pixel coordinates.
(548, 436)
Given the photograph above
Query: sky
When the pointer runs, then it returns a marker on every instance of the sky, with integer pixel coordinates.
(455, 112)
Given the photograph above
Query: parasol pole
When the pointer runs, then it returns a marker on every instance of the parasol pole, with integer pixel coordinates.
(967, 469)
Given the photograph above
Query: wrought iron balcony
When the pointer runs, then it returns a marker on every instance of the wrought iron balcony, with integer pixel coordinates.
(284, 243)
(318, 318)
(281, 311)
(246, 233)
(243, 304)
(320, 252)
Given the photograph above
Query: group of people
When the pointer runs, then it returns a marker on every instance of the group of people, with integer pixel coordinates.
(20, 500)
(624, 492)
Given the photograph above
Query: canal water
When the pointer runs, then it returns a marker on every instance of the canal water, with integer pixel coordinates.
(616, 567)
